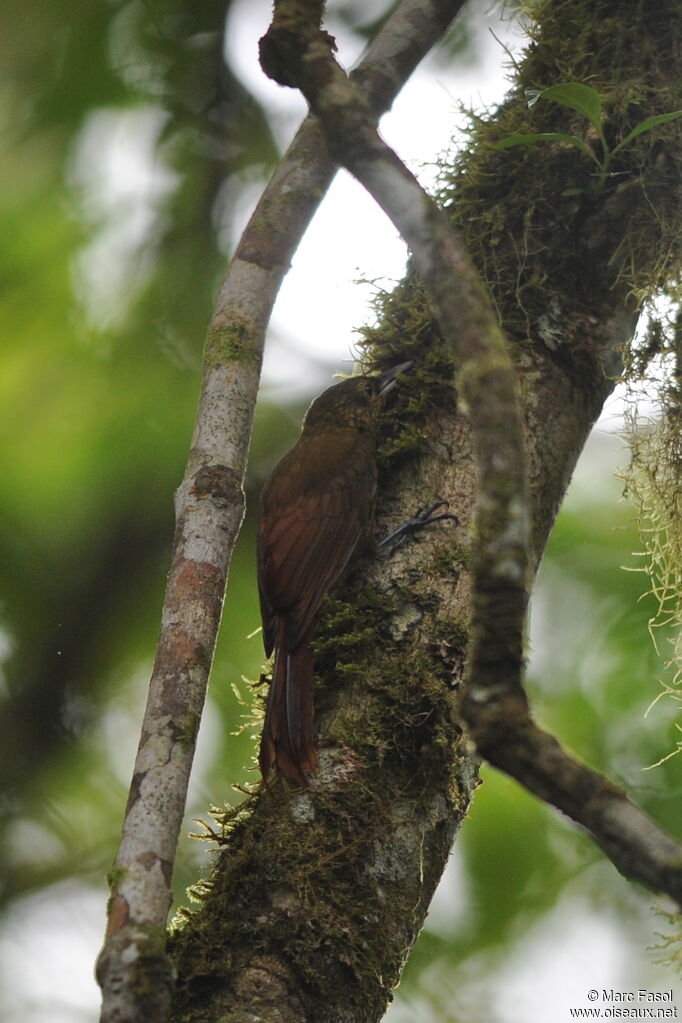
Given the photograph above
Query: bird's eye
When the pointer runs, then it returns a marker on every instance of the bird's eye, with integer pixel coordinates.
(369, 387)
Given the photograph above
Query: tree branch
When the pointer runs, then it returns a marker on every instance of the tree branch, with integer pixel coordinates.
(494, 703)
(506, 735)
(132, 968)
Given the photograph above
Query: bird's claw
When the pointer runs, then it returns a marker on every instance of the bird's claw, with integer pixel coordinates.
(422, 518)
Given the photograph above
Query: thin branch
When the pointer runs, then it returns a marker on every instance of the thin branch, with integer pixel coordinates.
(508, 738)
(132, 967)
(494, 702)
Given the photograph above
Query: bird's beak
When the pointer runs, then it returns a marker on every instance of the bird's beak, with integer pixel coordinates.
(387, 380)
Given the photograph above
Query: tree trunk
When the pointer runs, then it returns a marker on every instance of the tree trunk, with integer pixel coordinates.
(317, 897)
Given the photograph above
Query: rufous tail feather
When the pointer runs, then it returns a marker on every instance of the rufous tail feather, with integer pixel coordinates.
(287, 739)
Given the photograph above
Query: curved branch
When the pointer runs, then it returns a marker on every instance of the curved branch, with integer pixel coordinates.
(132, 968)
(506, 735)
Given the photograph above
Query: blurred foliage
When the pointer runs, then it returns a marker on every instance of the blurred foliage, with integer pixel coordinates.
(123, 129)
(128, 142)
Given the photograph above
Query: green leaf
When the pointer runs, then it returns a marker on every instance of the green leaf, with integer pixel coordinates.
(578, 97)
(548, 136)
(646, 125)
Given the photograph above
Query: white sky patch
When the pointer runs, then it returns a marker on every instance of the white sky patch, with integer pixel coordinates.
(450, 907)
(575, 950)
(48, 944)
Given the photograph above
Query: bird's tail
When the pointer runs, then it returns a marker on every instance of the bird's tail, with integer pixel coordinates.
(287, 739)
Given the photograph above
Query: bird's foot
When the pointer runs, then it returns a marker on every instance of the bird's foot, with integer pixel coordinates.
(420, 520)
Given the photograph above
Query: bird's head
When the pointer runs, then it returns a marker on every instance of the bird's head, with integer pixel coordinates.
(353, 403)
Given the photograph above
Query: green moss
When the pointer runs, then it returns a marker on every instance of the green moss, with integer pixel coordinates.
(151, 968)
(451, 558)
(511, 206)
(404, 330)
(233, 343)
(239, 1017)
(669, 945)
(350, 621)
(187, 729)
(306, 935)
(454, 631)
(327, 917)
(115, 876)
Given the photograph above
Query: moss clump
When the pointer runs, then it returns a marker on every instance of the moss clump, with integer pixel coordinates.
(150, 971)
(450, 559)
(512, 206)
(187, 728)
(405, 331)
(531, 216)
(654, 480)
(322, 919)
(350, 622)
(115, 876)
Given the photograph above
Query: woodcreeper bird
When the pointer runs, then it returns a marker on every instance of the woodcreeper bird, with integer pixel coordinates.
(316, 509)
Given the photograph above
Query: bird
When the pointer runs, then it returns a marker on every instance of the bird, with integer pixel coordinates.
(316, 509)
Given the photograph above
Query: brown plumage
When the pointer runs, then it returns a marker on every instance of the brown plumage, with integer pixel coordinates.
(316, 508)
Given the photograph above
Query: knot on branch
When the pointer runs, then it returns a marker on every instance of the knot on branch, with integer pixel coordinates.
(281, 50)
(220, 483)
(493, 712)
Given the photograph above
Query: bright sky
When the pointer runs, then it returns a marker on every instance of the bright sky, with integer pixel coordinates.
(350, 237)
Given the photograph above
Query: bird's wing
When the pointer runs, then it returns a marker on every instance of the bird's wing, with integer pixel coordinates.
(304, 549)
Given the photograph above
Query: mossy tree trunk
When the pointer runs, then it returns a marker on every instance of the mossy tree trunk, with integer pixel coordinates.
(317, 897)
